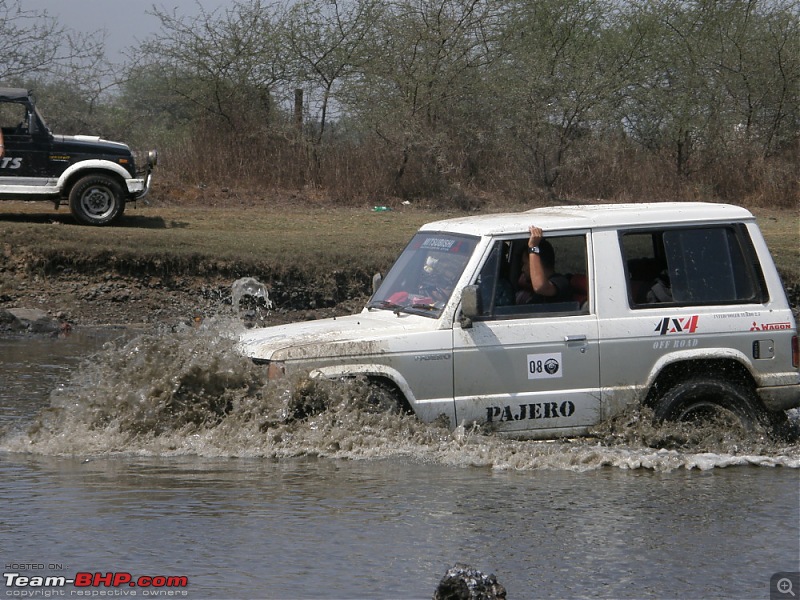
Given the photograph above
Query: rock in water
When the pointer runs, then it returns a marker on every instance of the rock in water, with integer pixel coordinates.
(462, 582)
(31, 320)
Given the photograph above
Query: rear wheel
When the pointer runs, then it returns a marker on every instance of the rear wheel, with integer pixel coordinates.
(703, 399)
(96, 200)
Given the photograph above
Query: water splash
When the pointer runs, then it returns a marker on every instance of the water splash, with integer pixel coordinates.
(187, 392)
(254, 295)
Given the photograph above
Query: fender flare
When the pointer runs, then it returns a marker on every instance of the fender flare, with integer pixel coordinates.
(697, 354)
(93, 165)
(369, 370)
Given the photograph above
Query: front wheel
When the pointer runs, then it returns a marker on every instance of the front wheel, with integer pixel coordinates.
(702, 399)
(96, 200)
(382, 396)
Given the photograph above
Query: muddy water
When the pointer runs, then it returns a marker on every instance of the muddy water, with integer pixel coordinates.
(166, 454)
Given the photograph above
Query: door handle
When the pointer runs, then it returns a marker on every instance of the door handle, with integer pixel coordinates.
(575, 338)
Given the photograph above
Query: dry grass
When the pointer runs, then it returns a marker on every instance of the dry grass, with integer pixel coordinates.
(234, 241)
(781, 228)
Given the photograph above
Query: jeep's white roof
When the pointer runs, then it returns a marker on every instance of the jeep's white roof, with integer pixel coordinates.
(553, 218)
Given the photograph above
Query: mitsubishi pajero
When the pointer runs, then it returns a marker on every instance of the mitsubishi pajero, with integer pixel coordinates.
(677, 306)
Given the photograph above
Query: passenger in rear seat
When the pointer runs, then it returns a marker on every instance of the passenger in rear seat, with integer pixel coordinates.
(539, 281)
(660, 291)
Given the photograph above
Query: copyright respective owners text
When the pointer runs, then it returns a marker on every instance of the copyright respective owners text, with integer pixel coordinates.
(54, 580)
(784, 586)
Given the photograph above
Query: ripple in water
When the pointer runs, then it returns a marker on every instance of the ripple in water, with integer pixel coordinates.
(187, 392)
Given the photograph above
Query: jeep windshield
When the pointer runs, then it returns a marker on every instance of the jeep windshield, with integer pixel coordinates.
(422, 279)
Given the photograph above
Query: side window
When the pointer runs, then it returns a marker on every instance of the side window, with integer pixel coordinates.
(691, 266)
(13, 117)
(505, 287)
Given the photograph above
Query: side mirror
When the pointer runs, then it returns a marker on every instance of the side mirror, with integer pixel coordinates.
(376, 282)
(471, 305)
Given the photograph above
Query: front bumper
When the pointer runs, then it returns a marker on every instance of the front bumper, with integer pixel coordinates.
(139, 187)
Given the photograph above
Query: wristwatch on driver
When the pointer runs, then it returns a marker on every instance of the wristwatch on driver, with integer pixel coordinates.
(533, 249)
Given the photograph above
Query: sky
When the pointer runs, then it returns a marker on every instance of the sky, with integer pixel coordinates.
(126, 22)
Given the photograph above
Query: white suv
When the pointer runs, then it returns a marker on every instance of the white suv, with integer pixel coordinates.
(674, 305)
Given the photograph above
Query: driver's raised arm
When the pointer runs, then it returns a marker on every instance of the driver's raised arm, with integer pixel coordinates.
(540, 272)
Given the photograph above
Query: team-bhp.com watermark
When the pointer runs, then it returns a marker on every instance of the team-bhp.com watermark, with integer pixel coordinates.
(25, 581)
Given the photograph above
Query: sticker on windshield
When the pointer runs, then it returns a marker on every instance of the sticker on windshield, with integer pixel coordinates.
(440, 244)
(544, 366)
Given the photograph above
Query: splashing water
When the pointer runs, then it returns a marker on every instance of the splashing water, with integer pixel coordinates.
(187, 392)
(250, 300)
(249, 286)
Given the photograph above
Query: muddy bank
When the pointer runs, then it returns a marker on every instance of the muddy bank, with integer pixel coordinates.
(107, 297)
(69, 299)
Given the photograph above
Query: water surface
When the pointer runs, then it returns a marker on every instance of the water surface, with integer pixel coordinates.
(168, 455)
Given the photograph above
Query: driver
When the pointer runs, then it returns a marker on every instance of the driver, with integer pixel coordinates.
(539, 281)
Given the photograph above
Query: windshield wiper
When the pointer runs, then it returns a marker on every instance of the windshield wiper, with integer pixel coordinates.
(431, 306)
(386, 305)
(398, 308)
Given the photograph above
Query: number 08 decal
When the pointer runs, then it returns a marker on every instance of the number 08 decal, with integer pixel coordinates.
(544, 366)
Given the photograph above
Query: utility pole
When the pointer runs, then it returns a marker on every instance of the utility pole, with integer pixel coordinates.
(298, 109)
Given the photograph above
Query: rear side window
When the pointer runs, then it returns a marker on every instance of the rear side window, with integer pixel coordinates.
(692, 266)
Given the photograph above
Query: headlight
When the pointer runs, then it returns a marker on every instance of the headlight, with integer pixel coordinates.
(152, 158)
(275, 368)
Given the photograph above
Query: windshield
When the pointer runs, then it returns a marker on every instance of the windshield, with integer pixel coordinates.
(424, 276)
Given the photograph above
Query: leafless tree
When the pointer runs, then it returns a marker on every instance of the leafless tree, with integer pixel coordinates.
(34, 44)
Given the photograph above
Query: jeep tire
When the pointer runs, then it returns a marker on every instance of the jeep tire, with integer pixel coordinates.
(701, 398)
(383, 396)
(96, 200)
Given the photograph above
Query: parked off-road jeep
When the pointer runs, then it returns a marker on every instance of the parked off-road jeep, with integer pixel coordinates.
(676, 306)
(95, 176)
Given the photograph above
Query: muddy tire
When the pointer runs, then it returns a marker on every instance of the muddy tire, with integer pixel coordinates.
(383, 396)
(702, 399)
(96, 200)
